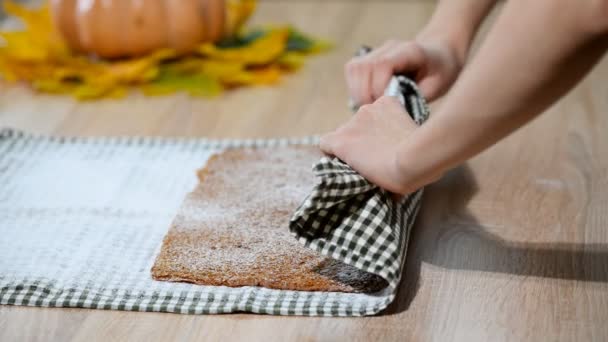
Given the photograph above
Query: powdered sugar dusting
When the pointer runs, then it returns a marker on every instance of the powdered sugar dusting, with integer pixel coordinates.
(233, 228)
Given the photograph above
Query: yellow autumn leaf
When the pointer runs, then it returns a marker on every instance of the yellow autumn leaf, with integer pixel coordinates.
(18, 45)
(102, 79)
(39, 40)
(137, 70)
(189, 65)
(117, 92)
(79, 91)
(170, 81)
(263, 76)
(238, 11)
(26, 71)
(292, 60)
(92, 91)
(109, 79)
(266, 76)
(261, 51)
(74, 70)
(7, 71)
(221, 70)
(53, 86)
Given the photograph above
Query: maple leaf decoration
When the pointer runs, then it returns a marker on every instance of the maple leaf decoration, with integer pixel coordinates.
(38, 56)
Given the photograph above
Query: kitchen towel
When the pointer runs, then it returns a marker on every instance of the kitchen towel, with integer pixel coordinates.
(82, 220)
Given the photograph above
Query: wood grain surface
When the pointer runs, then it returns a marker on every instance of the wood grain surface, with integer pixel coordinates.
(511, 246)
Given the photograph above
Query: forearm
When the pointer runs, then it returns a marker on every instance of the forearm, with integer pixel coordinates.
(455, 22)
(536, 51)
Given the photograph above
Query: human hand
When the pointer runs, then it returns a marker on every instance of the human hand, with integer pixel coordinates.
(433, 63)
(369, 142)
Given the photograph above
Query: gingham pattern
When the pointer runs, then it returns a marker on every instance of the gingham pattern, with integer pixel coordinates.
(82, 220)
(352, 220)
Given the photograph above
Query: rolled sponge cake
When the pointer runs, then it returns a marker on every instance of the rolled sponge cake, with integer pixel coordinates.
(232, 230)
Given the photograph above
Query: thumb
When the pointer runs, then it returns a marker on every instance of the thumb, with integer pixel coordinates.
(430, 87)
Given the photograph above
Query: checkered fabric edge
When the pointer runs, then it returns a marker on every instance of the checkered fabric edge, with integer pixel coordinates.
(213, 300)
(9, 133)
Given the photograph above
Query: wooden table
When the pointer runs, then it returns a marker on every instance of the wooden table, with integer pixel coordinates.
(511, 246)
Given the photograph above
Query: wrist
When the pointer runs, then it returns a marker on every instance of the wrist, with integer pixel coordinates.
(455, 42)
(415, 166)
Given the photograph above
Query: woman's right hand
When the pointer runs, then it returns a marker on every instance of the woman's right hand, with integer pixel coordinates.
(433, 63)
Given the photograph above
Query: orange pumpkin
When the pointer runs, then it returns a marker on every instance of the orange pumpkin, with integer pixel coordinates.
(116, 28)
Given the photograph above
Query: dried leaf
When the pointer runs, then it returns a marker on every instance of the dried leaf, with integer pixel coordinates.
(39, 41)
(240, 40)
(53, 86)
(170, 81)
(137, 70)
(92, 91)
(261, 51)
(238, 12)
(221, 70)
(261, 76)
(292, 60)
(299, 42)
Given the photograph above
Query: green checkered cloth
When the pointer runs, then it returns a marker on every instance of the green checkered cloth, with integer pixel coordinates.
(82, 220)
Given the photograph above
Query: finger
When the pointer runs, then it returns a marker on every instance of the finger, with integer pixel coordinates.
(372, 55)
(407, 57)
(357, 73)
(382, 68)
(351, 77)
(402, 58)
(362, 70)
(430, 88)
(381, 77)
